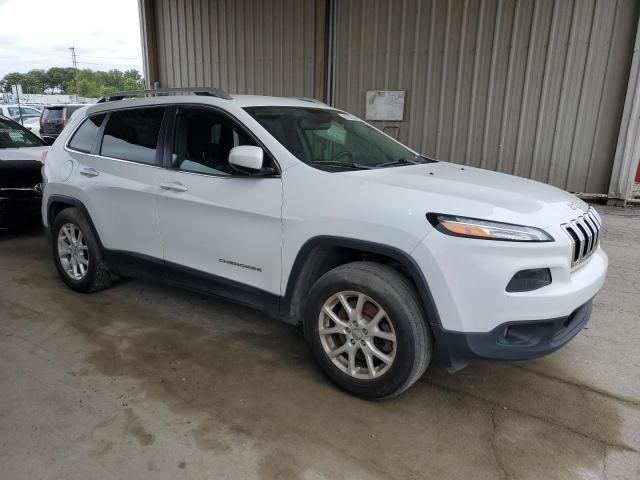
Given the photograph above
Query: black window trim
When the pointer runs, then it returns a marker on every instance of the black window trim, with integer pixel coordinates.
(164, 148)
(95, 140)
(169, 140)
(95, 150)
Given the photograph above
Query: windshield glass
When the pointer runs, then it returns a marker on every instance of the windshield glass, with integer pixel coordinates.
(330, 139)
(13, 135)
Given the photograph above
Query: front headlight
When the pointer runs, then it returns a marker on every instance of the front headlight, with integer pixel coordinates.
(486, 229)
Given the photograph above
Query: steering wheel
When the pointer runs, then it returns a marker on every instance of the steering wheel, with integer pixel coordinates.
(339, 155)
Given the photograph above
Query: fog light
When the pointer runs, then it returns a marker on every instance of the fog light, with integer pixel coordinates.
(528, 280)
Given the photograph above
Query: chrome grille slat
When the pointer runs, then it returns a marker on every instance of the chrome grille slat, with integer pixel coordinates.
(580, 243)
(584, 233)
(594, 231)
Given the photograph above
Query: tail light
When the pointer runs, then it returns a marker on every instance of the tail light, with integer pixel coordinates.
(43, 156)
(64, 117)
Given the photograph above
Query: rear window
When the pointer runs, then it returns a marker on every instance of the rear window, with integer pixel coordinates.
(52, 114)
(85, 136)
(133, 135)
(13, 135)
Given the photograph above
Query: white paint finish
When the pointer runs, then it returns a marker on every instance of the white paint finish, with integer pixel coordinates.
(247, 157)
(121, 201)
(262, 223)
(233, 219)
(25, 153)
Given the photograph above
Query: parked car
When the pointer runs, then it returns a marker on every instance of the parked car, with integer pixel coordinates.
(54, 118)
(13, 112)
(33, 125)
(387, 258)
(20, 178)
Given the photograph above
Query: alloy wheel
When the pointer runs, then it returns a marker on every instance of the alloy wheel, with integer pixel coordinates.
(73, 252)
(357, 335)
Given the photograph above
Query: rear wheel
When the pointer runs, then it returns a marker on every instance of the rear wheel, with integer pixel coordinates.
(77, 254)
(366, 329)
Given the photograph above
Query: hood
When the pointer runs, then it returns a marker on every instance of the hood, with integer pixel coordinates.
(25, 153)
(474, 192)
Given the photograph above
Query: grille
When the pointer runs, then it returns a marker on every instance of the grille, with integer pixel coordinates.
(584, 233)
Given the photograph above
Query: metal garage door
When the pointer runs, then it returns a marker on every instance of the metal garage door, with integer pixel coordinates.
(530, 87)
(269, 47)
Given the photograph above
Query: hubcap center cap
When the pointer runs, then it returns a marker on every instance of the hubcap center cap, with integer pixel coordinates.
(357, 334)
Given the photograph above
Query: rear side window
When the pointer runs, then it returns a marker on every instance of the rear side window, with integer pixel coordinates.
(85, 136)
(133, 135)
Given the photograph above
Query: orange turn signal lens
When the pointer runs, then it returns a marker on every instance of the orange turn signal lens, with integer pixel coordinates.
(465, 229)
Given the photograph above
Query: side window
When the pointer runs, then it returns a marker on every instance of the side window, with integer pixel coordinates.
(30, 111)
(85, 136)
(133, 135)
(203, 140)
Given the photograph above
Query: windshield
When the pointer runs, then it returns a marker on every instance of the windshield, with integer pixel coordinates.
(330, 139)
(13, 135)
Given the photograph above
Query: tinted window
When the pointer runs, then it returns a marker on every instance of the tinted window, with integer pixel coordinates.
(13, 135)
(70, 111)
(329, 139)
(203, 140)
(133, 135)
(52, 114)
(85, 136)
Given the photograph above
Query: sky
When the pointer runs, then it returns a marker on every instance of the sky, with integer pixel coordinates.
(38, 34)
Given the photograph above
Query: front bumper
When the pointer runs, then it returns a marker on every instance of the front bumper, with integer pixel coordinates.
(520, 340)
(478, 318)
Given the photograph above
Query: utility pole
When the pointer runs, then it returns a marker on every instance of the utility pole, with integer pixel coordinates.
(75, 66)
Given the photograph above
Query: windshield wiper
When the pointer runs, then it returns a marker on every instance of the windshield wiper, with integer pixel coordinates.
(351, 165)
(406, 161)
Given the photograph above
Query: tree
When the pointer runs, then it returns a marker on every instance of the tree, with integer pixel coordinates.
(90, 83)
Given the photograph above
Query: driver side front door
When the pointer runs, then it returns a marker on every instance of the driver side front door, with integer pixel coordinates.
(221, 230)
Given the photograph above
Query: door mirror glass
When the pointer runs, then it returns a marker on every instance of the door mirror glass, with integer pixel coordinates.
(246, 158)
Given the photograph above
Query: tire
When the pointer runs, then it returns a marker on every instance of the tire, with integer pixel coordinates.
(375, 287)
(96, 275)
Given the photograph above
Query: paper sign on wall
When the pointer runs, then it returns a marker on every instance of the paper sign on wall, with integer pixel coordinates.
(385, 105)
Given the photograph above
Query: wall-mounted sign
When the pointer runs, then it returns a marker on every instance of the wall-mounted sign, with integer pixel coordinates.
(385, 105)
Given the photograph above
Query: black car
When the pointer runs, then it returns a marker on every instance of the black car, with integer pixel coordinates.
(21, 156)
(54, 118)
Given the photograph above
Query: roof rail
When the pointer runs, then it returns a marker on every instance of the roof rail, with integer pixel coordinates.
(311, 100)
(212, 92)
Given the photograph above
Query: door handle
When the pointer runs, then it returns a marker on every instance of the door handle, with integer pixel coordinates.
(89, 172)
(175, 186)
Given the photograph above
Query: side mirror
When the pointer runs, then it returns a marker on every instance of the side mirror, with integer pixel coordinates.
(246, 159)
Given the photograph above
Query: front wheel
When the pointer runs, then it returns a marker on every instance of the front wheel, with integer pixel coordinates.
(366, 329)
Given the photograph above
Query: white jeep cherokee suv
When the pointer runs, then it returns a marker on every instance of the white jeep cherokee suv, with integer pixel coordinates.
(386, 257)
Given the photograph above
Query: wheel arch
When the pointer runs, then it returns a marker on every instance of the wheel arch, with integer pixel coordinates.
(320, 254)
(58, 203)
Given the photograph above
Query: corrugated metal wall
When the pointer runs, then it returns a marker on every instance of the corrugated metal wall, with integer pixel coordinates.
(243, 46)
(530, 87)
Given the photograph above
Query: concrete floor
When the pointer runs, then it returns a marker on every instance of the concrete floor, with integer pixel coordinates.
(145, 381)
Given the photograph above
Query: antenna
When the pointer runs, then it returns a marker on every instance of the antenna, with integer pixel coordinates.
(75, 66)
